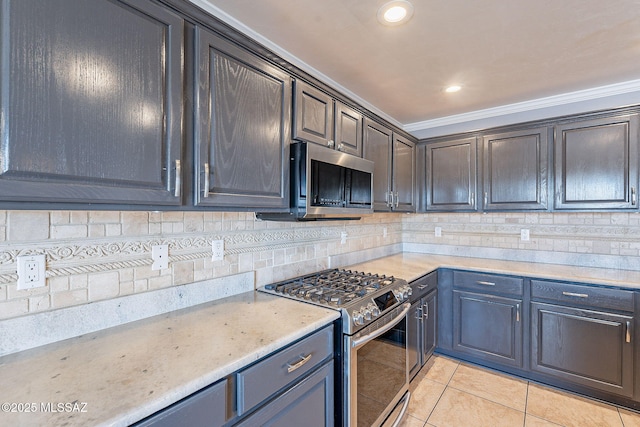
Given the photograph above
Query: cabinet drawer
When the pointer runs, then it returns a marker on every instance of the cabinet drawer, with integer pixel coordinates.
(593, 296)
(423, 285)
(488, 283)
(205, 407)
(257, 383)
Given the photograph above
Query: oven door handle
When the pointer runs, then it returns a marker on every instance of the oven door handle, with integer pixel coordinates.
(405, 406)
(375, 334)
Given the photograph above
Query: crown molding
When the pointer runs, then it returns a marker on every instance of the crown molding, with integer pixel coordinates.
(527, 106)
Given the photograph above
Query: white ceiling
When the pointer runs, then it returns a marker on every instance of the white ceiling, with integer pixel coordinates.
(502, 52)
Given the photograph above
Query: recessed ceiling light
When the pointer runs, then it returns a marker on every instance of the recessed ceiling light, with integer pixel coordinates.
(453, 88)
(395, 12)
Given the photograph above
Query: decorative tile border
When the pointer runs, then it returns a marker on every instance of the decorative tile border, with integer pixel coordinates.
(107, 254)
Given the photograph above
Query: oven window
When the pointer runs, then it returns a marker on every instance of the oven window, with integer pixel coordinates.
(382, 373)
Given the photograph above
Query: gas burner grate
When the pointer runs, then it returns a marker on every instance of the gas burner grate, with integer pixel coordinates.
(332, 287)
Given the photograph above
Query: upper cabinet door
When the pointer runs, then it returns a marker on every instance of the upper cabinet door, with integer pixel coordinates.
(404, 173)
(596, 164)
(348, 131)
(91, 101)
(515, 170)
(313, 116)
(242, 127)
(377, 148)
(451, 175)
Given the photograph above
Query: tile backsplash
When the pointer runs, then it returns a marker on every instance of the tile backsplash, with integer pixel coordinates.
(96, 255)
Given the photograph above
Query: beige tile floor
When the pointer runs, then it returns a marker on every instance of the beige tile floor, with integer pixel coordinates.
(448, 393)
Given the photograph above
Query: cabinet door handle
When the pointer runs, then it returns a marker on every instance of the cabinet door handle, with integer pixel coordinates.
(482, 282)
(517, 312)
(473, 200)
(340, 146)
(426, 310)
(331, 143)
(391, 197)
(574, 294)
(397, 199)
(628, 334)
(485, 200)
(633, 196)
(206, 180)
(177, 191)
(303, 360)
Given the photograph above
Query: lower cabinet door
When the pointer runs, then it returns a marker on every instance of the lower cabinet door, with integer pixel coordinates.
(489, 327)
(585, 347)
(309, 403)
(414, 332)
(429, 325)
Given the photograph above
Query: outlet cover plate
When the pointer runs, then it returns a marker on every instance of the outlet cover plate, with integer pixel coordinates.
(160, 256)
(31, 271)
(524, 234)
(217, 250)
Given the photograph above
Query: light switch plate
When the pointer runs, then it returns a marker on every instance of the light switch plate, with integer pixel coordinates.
(160, 256)
(524, 234)
(438, 231)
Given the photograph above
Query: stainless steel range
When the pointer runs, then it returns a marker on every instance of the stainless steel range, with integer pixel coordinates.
(373, 346)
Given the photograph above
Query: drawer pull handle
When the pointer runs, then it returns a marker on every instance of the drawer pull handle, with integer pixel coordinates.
(303, 360)
(421, 287)
(482, 282)
(628, 334)
(574, 294)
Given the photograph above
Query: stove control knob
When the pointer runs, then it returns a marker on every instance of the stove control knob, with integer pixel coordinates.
(375, 311)
(398, 295)
(358, 319)
(409, 290)
(367, 314)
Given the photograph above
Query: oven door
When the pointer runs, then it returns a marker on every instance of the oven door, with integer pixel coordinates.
(377, 370)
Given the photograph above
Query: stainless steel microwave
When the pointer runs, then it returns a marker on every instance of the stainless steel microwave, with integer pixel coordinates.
(326, 184)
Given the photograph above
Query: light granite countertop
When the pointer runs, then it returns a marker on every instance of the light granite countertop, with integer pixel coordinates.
(120, 375)
(410, 266)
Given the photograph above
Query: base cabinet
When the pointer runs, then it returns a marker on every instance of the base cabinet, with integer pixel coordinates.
(488, 326)
(582, 346)
(309, 403)
(422, 322)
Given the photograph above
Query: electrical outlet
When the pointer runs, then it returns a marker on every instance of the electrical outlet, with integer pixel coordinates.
(160, 256)
(524, 234)
(343, 237)
(217, 250)
(31, 271)
(438, 231)
(384, 232)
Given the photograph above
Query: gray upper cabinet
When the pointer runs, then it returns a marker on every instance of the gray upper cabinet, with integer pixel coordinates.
(451, 180)
(377, 148)
(596, 163)
(320, 119)
(313, 115)
(91, 101)
(515, 170)
(241, 130)
(394, 172)
(348, 130)
(404, 175)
